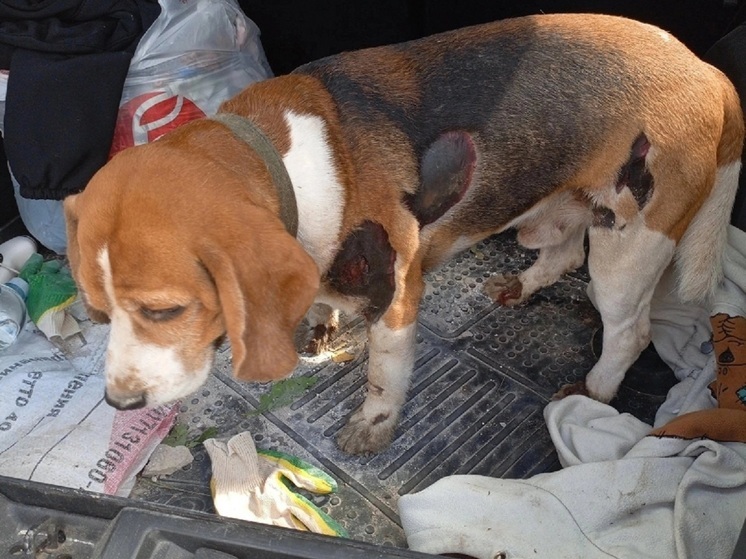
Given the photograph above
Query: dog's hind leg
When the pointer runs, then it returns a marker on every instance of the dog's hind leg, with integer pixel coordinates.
(684, 194)
(625, 266)
(558, 230)
(637, 223)
(553, 261)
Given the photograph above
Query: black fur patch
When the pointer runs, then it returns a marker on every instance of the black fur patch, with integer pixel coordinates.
(446, 171)
(635, 175)
(603, 217)
(364, 267)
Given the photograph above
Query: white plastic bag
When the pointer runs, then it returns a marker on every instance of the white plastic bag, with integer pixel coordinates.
(197, 54)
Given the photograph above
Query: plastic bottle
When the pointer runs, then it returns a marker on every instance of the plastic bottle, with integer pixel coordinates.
(12, 311)
(13, 255)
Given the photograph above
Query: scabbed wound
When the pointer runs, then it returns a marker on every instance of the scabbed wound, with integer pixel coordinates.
(446, 171)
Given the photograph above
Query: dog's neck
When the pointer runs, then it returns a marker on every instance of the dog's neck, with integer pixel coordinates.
(246, 130)
(311, 164)
(303, 129)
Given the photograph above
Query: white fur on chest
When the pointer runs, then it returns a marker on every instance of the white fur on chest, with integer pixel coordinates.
(318, 190)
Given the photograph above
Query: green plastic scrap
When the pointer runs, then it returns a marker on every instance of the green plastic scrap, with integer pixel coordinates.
(283, 393)
(179, 436)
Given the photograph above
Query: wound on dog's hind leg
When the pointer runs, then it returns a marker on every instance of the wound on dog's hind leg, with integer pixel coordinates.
(634, 174)
(571, 390)
(446, 171)
(633, 189)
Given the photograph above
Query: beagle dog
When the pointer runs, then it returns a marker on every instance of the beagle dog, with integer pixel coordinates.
(342, 182)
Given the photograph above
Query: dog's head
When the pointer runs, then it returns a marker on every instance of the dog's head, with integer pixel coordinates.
(176, 244)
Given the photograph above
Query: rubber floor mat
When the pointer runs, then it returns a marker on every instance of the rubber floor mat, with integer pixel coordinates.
(482, 378)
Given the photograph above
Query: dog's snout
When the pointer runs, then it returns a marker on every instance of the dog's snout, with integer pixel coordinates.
(129, 402)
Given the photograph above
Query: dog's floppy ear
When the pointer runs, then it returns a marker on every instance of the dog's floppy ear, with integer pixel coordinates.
(73, 251)
(71, 226)
(266, 282)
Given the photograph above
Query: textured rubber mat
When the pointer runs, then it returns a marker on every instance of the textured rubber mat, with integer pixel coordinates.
(483, 376)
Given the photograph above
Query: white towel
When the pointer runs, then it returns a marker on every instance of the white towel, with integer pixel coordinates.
(621, 494)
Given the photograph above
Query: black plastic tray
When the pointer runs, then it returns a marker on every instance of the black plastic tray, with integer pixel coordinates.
(46, 522)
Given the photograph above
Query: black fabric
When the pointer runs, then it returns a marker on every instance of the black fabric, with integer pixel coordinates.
(8, 208)
(295, 32)
(729, 55)
(68, 60)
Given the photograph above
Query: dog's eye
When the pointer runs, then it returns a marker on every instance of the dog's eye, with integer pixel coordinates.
(160, 315)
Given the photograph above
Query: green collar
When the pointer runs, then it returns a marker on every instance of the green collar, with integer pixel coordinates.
(246, 130)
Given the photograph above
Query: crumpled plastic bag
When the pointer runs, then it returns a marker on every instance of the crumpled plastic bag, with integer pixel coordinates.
(196, 55)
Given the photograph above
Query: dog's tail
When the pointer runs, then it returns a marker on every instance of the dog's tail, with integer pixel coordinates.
(700, 251)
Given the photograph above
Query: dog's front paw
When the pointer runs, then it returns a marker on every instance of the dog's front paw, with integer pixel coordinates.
(324, 323)
(504, 289)
(321, 338)
(366, 434)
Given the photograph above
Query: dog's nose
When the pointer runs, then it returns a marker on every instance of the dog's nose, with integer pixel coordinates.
(130, 402)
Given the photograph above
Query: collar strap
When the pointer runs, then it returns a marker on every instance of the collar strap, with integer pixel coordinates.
(246, 130)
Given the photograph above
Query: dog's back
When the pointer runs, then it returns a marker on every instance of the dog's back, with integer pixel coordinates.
(550, 102)
(554, 125)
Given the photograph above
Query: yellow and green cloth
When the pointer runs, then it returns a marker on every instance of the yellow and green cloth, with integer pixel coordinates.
(258, 486)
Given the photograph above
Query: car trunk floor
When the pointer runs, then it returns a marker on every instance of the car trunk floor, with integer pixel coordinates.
(483, 375)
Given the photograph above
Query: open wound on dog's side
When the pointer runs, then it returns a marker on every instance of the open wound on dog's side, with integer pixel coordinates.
(446, 169)
(364, 267)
